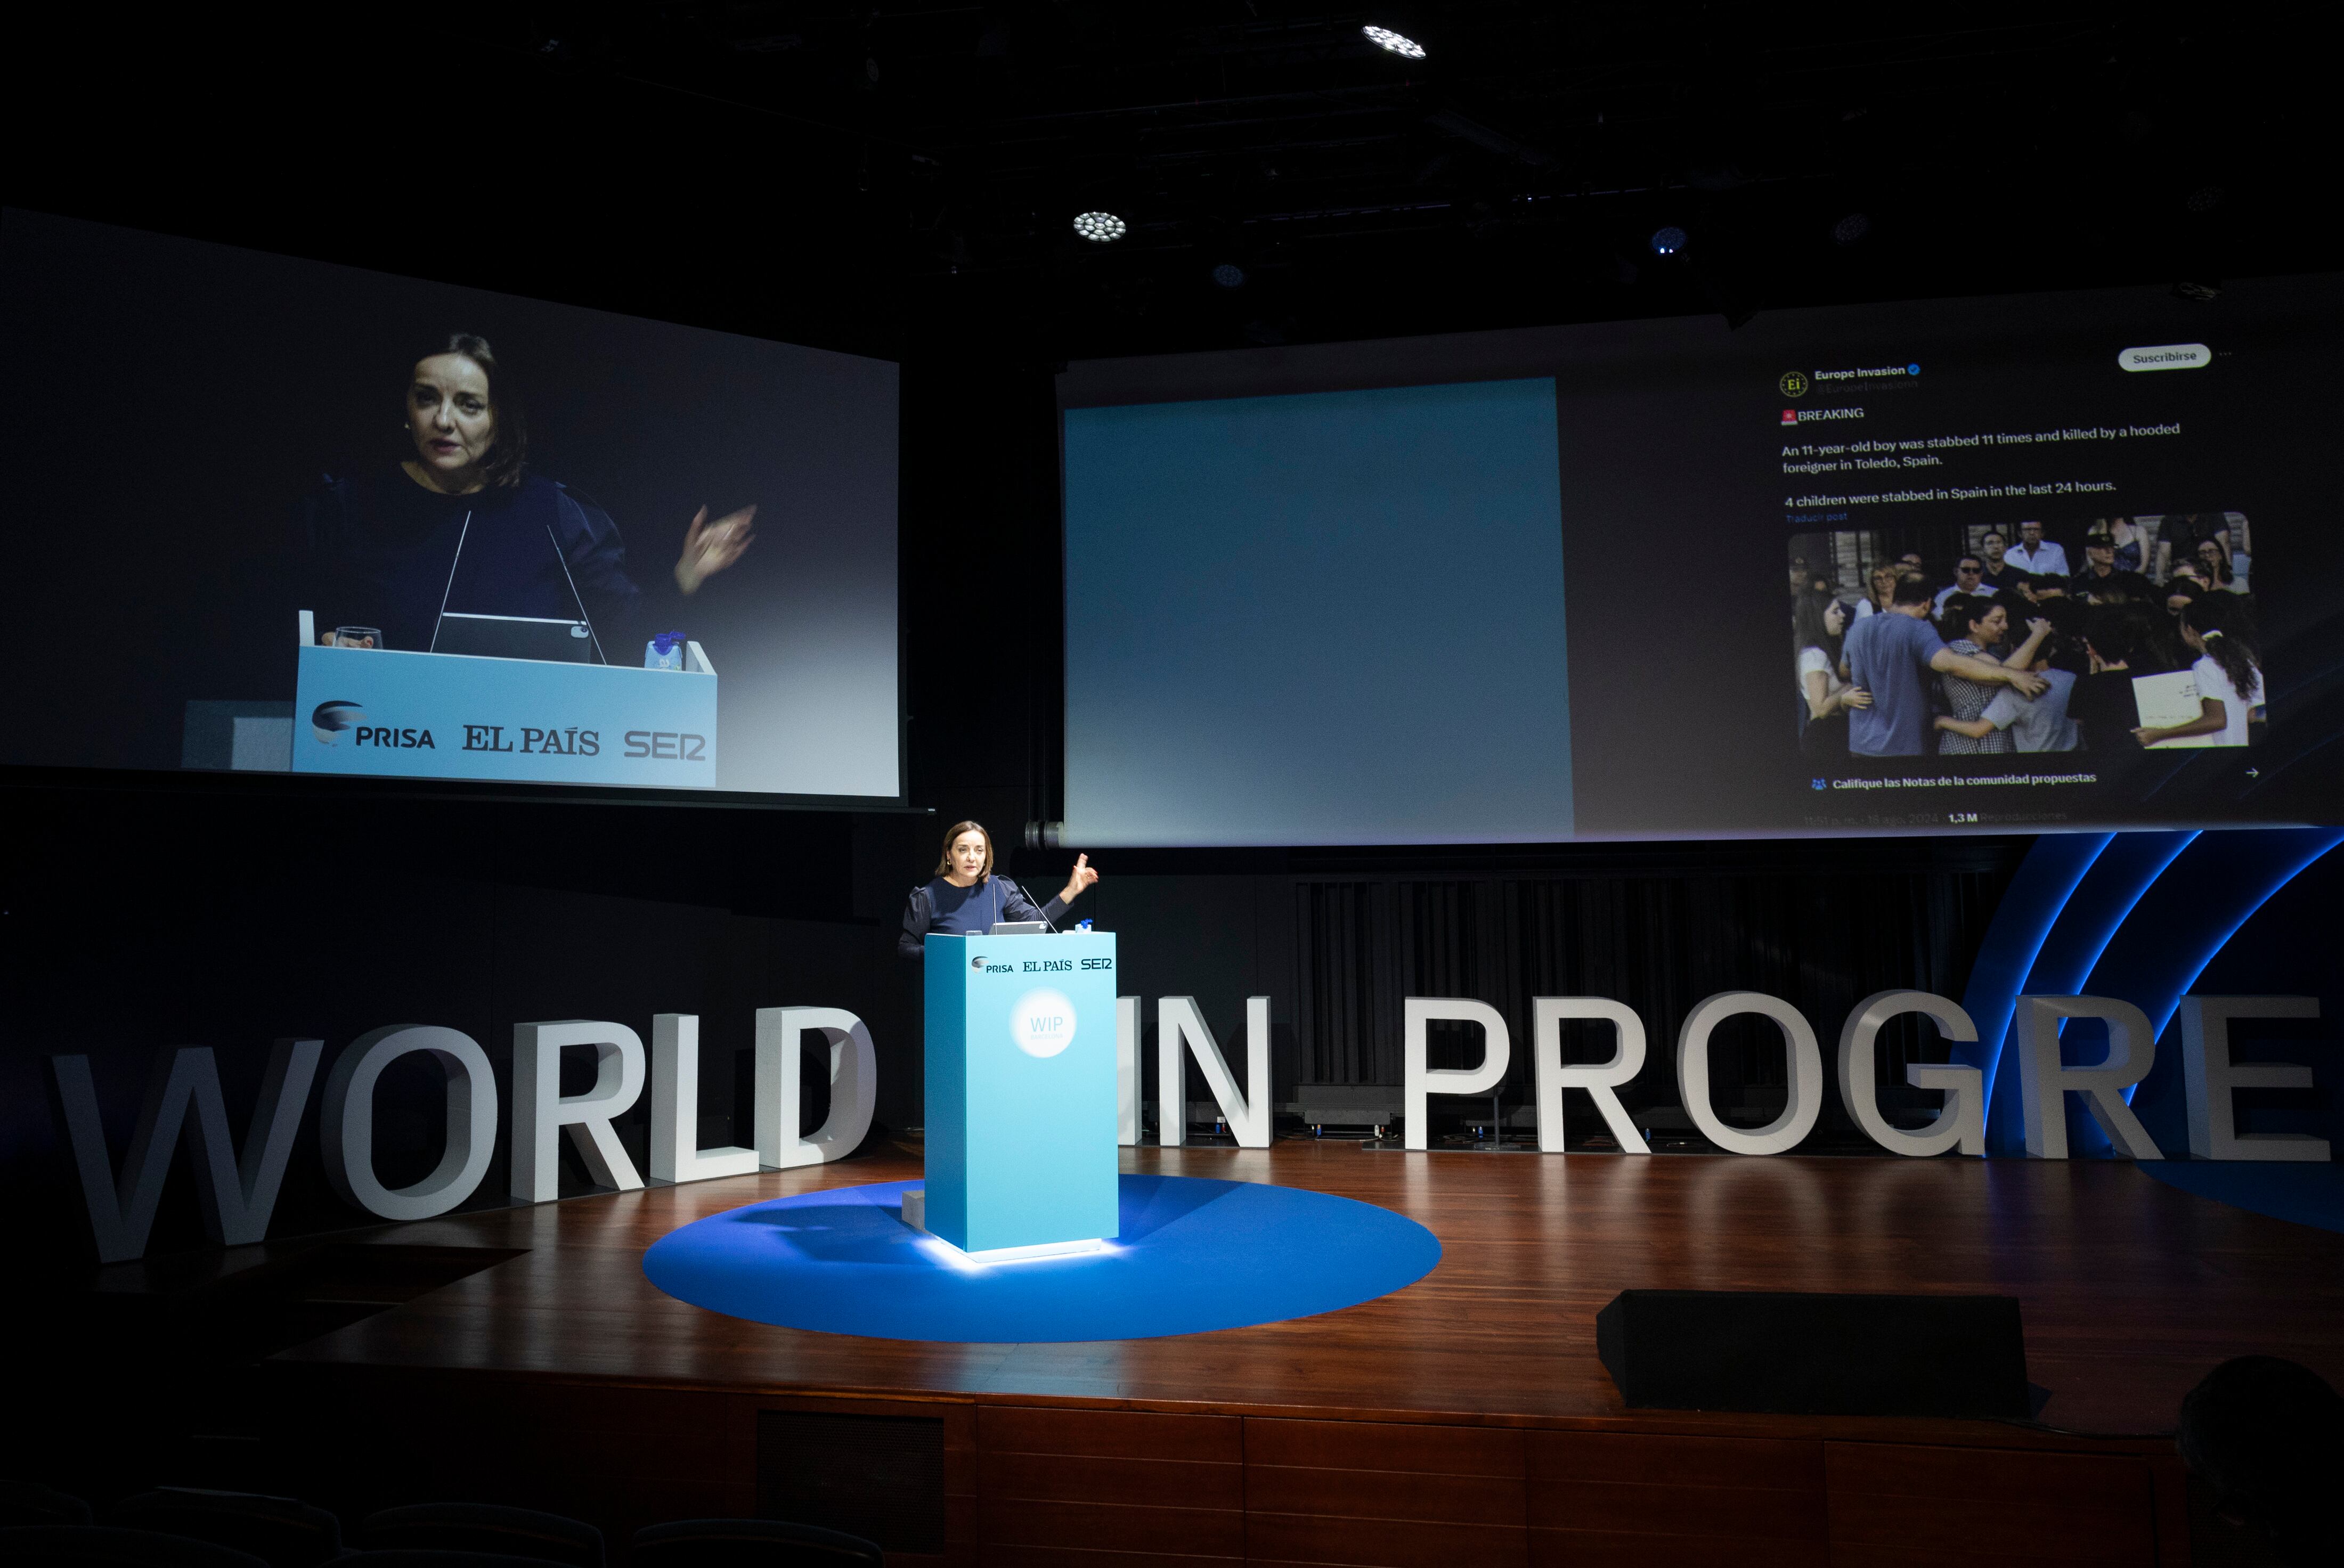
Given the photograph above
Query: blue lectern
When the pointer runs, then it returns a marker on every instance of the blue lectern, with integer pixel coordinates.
(391, 712)
(1021, 1103)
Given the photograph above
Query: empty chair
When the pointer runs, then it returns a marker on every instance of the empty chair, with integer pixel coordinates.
(93, 1546)
(483, 1527)
(282, 1532)
(750, 1544)
(30, 1503)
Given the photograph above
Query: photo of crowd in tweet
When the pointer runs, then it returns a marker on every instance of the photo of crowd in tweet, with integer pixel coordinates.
(2096, 637)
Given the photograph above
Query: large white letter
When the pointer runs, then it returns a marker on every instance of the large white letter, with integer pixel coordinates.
(540, 1111)
(1417, 1080)
(676, 1153)
(345, 1123)
(1180, 1028)
(1961, 1121)
(1806, 1090)
(1126, 1071)
(2044, 1084)
(236, 1196)
(1600, 1080)
(854, 1085)
(2209, 1075)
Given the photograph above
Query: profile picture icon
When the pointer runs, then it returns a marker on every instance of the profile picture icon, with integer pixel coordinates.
(1793, 384)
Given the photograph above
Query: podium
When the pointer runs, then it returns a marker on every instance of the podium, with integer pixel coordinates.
(390, 713)
(1021, 1090)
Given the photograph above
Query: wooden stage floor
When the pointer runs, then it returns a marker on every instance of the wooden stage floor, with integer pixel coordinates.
(2130, 1290)
(1466, 1416)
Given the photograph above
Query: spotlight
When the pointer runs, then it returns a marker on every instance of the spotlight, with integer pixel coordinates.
(1667, 241)
(1100, 227)
(1385, 38)
(1228, 274)
(1851, 228)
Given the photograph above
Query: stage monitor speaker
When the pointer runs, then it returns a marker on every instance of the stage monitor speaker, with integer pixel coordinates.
(1795, 1354)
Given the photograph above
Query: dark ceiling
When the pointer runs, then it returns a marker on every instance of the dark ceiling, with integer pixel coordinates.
(837, 173)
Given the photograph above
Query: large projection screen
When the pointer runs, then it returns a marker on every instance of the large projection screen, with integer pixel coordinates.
(208, 441)
(2040, 563)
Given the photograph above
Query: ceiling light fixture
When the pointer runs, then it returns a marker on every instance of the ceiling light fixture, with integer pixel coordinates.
(1667, 241)
(1100, 227)
(1385, 38)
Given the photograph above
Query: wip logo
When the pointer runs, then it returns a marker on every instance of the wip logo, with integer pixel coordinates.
(976, 963)
(1041, 1022)
(331, 718)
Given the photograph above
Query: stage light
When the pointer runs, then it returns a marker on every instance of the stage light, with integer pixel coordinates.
(1667, 241)
(1228, 274)
(1385, 38)
(2204, 199)
(1100, 227)
(1851, 228)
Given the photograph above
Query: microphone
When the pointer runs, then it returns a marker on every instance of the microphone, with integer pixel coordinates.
(1000, 905)
(1043, 910)
(573, 591)
(449, 587)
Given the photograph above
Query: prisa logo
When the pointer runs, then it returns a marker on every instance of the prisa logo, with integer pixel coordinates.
(1041, 1022)
(329, 720)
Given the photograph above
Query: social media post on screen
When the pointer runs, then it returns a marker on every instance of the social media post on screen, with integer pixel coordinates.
(2013, 597)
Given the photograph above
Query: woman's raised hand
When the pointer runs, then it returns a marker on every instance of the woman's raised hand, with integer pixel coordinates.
(1080, 877)
(710, 548)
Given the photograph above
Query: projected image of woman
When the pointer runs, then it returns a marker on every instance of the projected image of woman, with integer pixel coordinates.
(1982, 621)
(965, 898)
(1884, 590)
(2219, 630)
(462, 525)
(1818, 620)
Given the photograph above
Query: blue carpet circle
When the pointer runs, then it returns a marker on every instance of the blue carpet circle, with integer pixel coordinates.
(1194, 1254)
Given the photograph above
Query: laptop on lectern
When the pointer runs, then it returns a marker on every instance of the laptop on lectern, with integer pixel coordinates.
(1018, 928)
(515, 637)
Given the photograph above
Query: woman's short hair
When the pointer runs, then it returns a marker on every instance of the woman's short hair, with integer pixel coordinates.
(944, 862)
(507, 458)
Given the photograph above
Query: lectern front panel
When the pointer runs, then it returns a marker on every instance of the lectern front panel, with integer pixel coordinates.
(1021, 1090)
